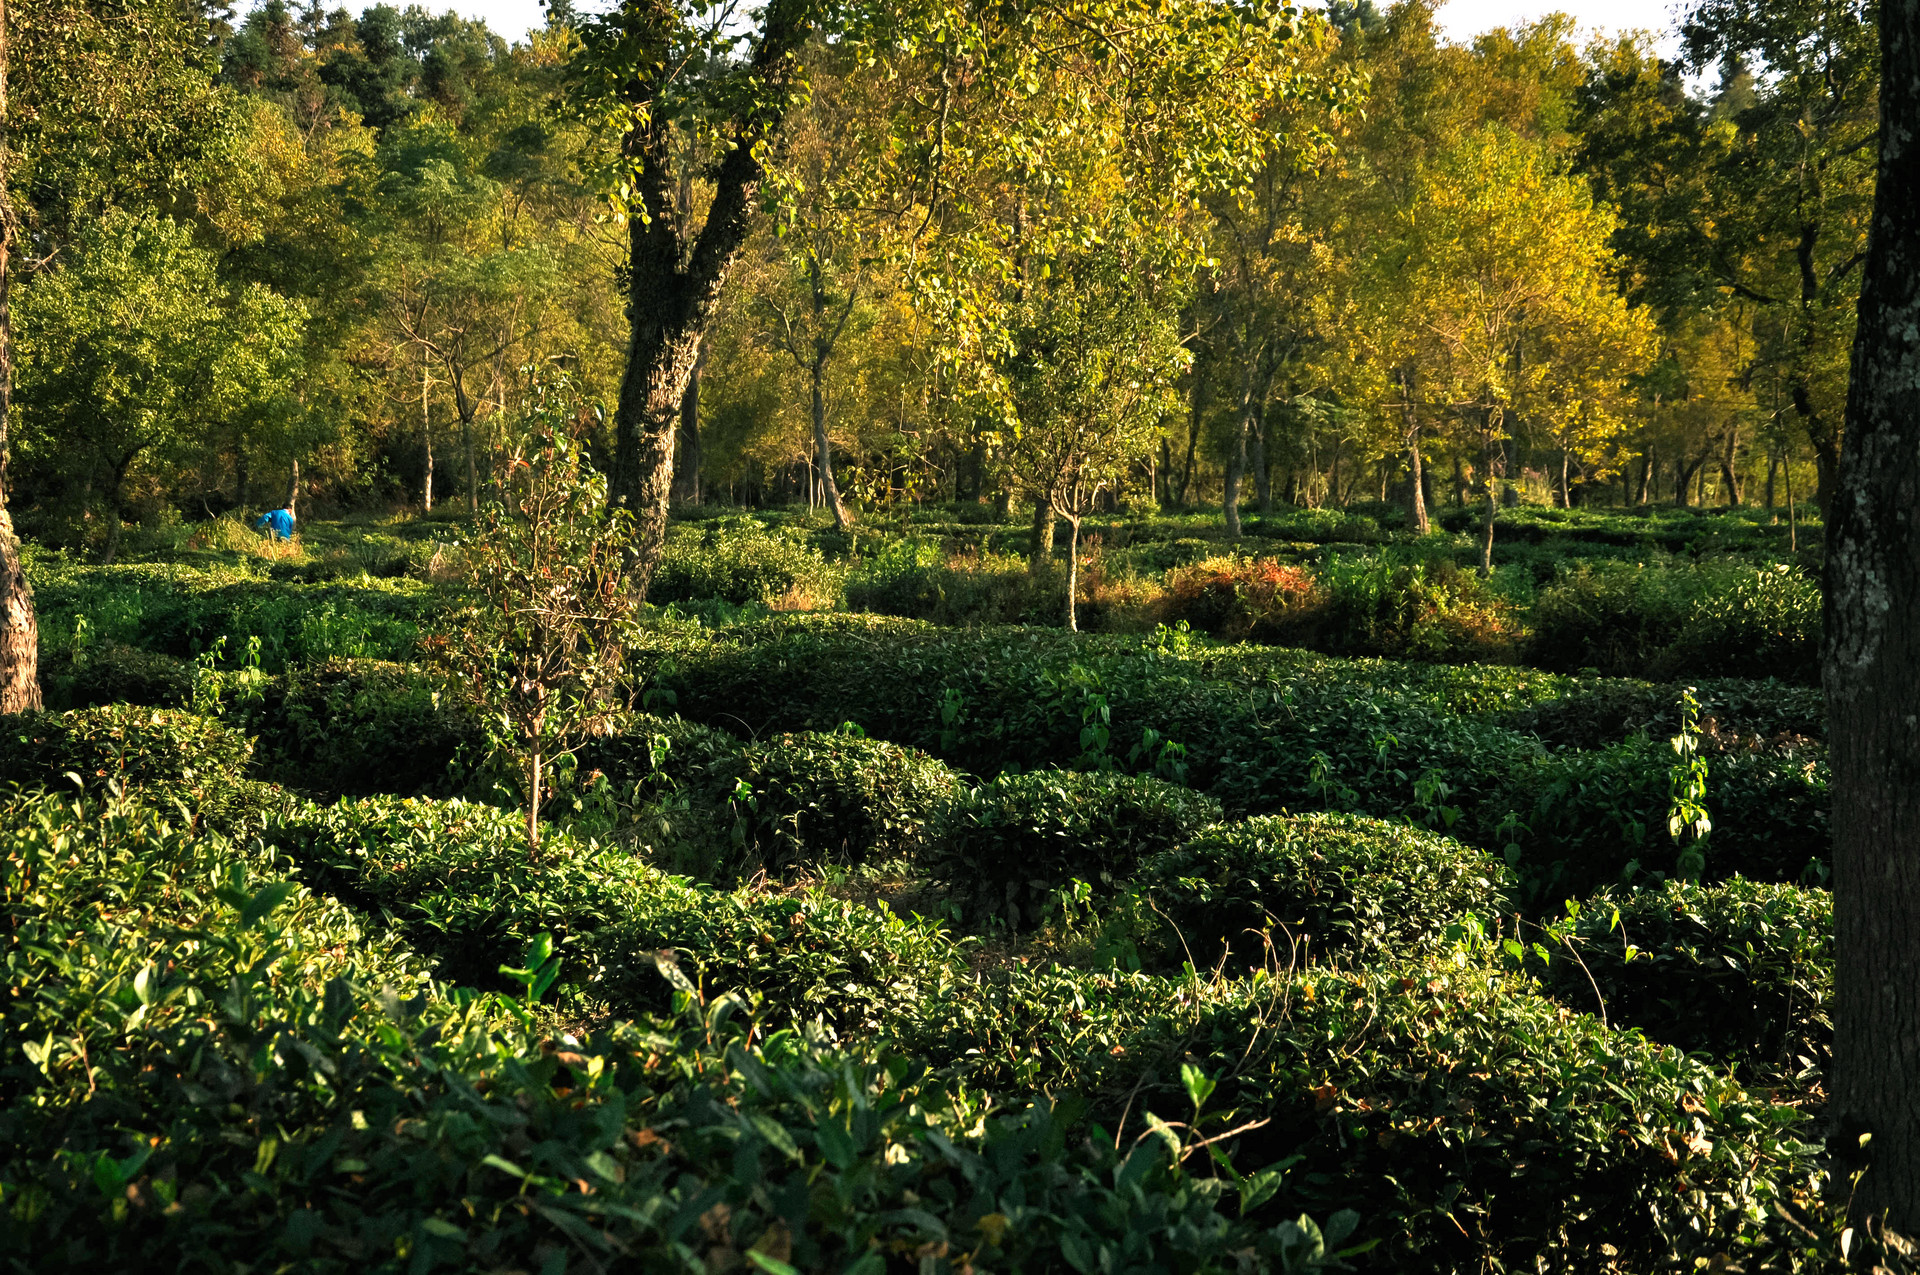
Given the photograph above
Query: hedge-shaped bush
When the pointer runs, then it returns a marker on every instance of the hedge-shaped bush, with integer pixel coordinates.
(172, 755)
(1005, 847)
(705, 803)
(115, 673)
(294, 1094)
(740, 562)
(1327, 886)
(358, 727)
(461, 884)
(1471, 1122)
(1742, 970)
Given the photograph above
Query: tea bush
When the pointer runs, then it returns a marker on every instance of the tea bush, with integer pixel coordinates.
(1590, 819)
(1324, 886)
(739, 561)
(1724, 619)
(1235, 598)
(459, 882)
(169, 754)
(1473, 1123)
(358, 727)
(1005, 847)
(819, 799)
(723, 809)
(114, 673)
(233, 1073)
(921, 580)
(1739, 969)
(1596, 714)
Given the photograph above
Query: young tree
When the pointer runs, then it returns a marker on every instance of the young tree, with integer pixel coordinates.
(1872, 673)
(1090, 383)
(555, 602)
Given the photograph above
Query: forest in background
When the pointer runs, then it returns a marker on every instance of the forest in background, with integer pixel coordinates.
(317, 254)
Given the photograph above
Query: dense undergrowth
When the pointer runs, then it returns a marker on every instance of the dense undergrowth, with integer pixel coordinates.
(868, 943)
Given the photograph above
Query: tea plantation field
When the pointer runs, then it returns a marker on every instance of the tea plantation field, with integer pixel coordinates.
(1316, 908)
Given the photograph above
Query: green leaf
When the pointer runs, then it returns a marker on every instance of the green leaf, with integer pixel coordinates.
(263, 903)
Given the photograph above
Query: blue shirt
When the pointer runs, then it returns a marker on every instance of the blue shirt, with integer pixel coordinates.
(278, 522)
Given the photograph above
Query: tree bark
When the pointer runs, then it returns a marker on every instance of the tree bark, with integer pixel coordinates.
(823, 448)
(293, 491)
(1236, 468)
(1872, 673)
(1727, 472)
(1042, 552)
(686, 456)
(426, 439)
(1646, 478)
(673, 292)
(1262, 480)
(1416, 484)
(1073, 573)
(19, 626)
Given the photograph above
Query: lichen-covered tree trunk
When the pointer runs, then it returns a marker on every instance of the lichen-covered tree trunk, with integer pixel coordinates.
(1872, 673)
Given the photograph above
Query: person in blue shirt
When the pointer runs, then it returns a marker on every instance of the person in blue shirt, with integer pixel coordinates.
(277, 523)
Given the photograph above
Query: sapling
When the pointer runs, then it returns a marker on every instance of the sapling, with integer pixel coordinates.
(554, 602)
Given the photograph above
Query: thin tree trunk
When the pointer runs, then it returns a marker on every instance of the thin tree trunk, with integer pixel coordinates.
(1727, 473)
(1566, 491)
(293, 491)
(1459, 484)
(823, 449)
(533, 796)
(1195, 413)
(19, 625)
(1416, 484)
(1042, 552)
(1262, 481)
(1646, 478)
(1773, 472)
(426, 440)
(1236, 467)
(1073, 572)
(1872, 675)
(686, 456)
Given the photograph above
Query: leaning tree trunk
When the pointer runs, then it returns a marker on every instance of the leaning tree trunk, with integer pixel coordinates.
(19, 627)
(1872, 673)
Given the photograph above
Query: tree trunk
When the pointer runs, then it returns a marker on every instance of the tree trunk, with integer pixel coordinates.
(426, 441)
(1073, 572)
(1262, 480)
(823, 449)
(686, 455)
(1459, 484)
(1416, 484)
(1163, 475)
(1196, 410)
(1646, 479)
(1486, 532)
(1872, 675)
(1773, 474)
(1727, 473)
(1002, 505)
(671, 294)
(533, 796)
(293, 491)
(1566, 487)
(1236, 467)
(1042, 552)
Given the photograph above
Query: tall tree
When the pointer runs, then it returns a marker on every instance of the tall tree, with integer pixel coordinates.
(19, 626)
(1872, 671)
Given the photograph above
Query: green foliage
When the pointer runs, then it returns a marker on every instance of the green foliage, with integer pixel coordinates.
(840, 799)
(459, 883)
(113, 673)
(171, 755)
(1006, 847)
(1738, 969)
(1281, 889)
(223, 1065)
(356, 727)
(1661, 622)
(739, 561)
(1470, 1121)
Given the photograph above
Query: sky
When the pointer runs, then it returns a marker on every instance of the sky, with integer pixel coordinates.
(1462, 19)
